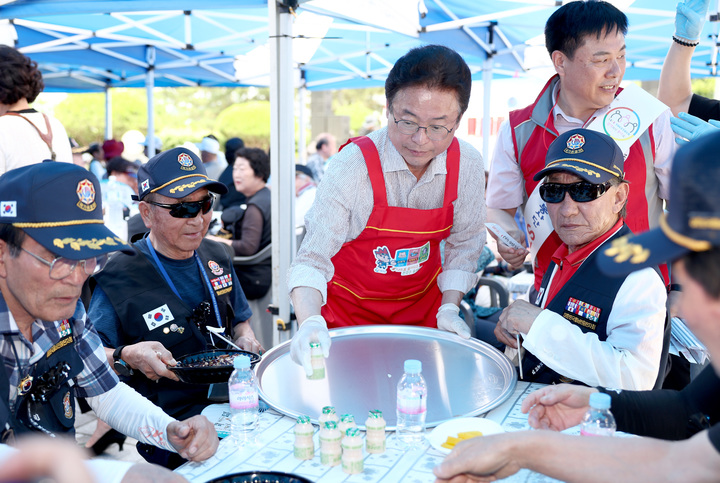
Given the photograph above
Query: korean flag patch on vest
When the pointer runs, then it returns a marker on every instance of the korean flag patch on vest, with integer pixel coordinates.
(157, 317)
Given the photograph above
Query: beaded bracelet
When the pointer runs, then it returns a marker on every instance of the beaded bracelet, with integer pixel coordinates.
(684, 43)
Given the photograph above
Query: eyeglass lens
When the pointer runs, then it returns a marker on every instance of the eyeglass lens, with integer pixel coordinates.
(581, 192)
(190, 209)
(63, 267)
(434, 132)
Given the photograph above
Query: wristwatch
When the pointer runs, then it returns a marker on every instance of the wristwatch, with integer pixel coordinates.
(120, 365)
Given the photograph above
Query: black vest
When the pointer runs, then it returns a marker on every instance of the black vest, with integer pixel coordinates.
(256, 279)
(135, 288)
(577, 301)
(45, 401)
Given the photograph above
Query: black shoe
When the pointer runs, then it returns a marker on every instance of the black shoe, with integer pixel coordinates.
(106, 440)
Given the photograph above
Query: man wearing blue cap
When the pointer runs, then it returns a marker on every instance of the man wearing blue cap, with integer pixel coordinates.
(585, 326)
(156, 307)
(689, 237)
(52, 238)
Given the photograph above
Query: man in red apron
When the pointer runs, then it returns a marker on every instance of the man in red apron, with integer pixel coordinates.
(371, 254)
(586, 42)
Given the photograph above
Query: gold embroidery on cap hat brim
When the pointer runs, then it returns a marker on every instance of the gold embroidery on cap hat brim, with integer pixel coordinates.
(178, 179)
(682, 240)
(622, 251)
(704, 223)
(182, 187)
(93, 243)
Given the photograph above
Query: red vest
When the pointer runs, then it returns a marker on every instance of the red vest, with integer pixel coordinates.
(388, 274)
(533, 130)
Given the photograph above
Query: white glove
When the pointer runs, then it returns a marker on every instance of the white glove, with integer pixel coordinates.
(314, 329)
(448, 318)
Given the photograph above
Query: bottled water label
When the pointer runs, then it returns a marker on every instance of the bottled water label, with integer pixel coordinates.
(243, 397)
(411, 402)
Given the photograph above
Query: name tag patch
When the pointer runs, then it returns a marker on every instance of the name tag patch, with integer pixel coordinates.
(157, 317)
(583, 309)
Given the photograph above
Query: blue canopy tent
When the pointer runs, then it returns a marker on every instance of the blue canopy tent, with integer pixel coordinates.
(250, 42)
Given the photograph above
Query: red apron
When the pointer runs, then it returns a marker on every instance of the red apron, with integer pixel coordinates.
(388, 274)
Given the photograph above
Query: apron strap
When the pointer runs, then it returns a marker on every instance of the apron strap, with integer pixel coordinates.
(452, 165)
(372, 160)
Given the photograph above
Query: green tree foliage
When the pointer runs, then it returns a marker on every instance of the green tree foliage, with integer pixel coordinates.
(248, 120)
(359, 104)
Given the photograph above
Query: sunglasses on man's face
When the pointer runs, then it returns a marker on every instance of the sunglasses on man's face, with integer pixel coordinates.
(187, 209)
(581, 192)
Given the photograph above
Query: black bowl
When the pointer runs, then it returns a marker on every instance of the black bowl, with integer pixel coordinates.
(260, 477)
(187, 371)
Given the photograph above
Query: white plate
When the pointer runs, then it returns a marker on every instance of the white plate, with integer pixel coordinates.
(451, 428)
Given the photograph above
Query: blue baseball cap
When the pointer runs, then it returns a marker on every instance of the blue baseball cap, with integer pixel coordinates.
(592, 155)
(175, 173)
(692, 223)
(59, 206)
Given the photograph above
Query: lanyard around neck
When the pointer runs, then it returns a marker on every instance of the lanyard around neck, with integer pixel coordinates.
(165, 275)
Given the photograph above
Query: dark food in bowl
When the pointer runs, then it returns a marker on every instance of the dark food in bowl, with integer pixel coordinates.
(260, 477)
(209, 367)
(210, 361)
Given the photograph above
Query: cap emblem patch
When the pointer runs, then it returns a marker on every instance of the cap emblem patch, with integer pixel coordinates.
(574, 144)
(186, 162)
(145, 185)
(86, 193)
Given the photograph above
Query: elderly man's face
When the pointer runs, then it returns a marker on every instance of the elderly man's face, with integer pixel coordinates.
(425, 107)
(176, 238)
(578, 224)
(29, 291)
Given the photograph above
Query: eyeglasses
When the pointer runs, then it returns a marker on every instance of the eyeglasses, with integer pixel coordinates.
(187, 209)
(435, 132)
(62, 267)
(581, 192)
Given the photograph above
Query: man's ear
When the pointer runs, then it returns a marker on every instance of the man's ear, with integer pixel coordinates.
(558, 61)
(146, 214)
(621, 196)
(4, 255)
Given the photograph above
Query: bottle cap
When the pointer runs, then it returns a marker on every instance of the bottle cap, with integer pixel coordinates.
(413, 366)
(600, 400)
(314, 345)
(330, 425)
(241, 362)
(375, 414)
(347, 418)
(351, 432)
(303, 420)
(328, 410)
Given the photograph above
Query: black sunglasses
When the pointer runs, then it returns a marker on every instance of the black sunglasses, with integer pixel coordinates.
(187, 209)
(581, 192)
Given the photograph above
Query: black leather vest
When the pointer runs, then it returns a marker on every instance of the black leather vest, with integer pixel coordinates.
(136, 289)
(45, 402)
(586, 301)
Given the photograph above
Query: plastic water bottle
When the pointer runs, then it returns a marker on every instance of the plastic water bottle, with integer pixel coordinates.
(243, 394)
(411, 406)
(114, 218)
(598, 420)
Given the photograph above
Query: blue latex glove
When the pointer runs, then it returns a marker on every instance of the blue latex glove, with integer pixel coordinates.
(691, 127)
(690, 17)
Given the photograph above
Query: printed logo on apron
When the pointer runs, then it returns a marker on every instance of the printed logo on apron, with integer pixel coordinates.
(406, 261)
